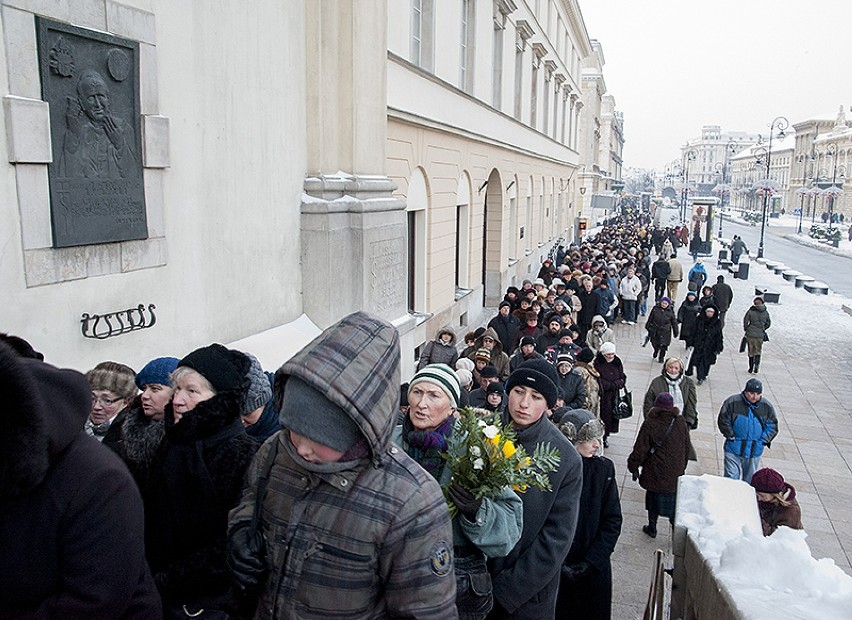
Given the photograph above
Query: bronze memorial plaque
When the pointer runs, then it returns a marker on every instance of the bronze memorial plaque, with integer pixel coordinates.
(91, 82)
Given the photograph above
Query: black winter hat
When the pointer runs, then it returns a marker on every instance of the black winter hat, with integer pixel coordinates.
(538, 374)
(494, 387)
(489, 372)
(754, 386)
(586, 356)
(223, 368)
(527, 340)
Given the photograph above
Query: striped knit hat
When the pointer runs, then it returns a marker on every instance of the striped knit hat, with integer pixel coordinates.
(441, 375)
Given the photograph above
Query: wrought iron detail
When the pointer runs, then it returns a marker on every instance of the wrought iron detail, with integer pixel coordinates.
(103, 326)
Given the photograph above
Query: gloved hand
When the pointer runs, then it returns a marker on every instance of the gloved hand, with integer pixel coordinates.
(247, 558)
(635, 476)
(464, 500)
(575, 572)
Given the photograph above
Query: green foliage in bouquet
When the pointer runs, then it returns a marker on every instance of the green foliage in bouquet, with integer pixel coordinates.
(484, 458)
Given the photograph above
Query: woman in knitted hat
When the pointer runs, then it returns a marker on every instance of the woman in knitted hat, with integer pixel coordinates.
(138, 437)
(612, 379)
(659, 458)
(585, 590)
(112, 390)
(526, 581)
(197, 480)
(776, 501)
(483, 528)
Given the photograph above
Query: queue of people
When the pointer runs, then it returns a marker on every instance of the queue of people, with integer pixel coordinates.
(321, 490)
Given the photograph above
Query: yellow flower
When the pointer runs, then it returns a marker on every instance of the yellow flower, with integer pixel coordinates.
(524, 463)
(509, 449)
(520, 489)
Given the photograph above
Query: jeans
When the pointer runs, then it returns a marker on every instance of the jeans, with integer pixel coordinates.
(629, 309)
(740, 468)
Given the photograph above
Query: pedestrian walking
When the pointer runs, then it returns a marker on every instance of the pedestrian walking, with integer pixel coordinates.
(707, 344)
(675, 277)
(687, 315)
(661, 324)
(585, 589)
(697, 276)
(738, 246)
(755, 323)
(659, 457)
(660, 273)
(748, 423)
(723, 296)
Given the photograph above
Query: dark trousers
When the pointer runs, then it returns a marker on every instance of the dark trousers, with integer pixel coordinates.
(628, 307)
(659, 289)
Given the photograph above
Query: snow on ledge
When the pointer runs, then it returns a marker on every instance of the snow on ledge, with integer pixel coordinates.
(766, 577)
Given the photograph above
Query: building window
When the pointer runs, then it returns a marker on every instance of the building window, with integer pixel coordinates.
(497, 64)
(534, 94)
(467, 42)
(422, 33)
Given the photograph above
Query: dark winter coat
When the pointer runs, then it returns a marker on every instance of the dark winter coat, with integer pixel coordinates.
(507, 329)
(588, 308)
(724, 295)
(71, 531)
(546, 340)
(138, 441)
(525, 330)
(598, 529)
(773, 515)
(756, 321)
(687, 315)
(661, 323)
(687, 388)
(660, 269)
(518, 358)
(612, 379)
(526, 581)
(707, 340)
(363, 538)
(660, 471)
(199, 479)
(436, 352)
(573, 389)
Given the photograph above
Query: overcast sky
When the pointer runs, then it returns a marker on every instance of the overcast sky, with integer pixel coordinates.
(676, 65)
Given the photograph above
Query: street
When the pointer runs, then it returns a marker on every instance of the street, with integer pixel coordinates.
(833, 270)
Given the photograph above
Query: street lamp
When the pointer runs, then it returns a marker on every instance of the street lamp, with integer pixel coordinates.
(690, 155)
(834, 189)
(722, 189)
(802, 192)
(780, 123)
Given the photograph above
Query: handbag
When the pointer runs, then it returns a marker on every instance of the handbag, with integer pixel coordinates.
(743, 344)
(765, 337)
(623, 404)
(474, 590)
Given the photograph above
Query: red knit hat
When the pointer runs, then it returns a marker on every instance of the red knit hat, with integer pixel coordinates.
(767, 480)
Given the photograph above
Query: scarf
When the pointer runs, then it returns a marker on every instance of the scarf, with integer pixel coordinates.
(428, 447)
(674, 390)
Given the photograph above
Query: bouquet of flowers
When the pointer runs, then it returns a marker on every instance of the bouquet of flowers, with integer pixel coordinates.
(484, 458)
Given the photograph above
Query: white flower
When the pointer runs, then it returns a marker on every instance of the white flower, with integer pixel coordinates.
(490, 431)
(478, 464)
(481, 424)
(474, 450)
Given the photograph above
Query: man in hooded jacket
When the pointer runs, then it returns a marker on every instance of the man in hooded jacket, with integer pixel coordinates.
(351, 525)
(71, 534)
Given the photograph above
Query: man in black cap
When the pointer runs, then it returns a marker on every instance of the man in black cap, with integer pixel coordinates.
(487, 376)
(749, 424)
(527, 580)
(526, 351)
(551, 336)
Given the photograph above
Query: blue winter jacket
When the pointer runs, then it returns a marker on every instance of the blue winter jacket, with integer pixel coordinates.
(747, 427)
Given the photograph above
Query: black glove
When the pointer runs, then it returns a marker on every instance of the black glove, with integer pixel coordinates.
(247, 558)
(575, 572)
(635, 476)
(464, 500)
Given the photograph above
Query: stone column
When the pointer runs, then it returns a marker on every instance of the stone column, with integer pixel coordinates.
(353, 231)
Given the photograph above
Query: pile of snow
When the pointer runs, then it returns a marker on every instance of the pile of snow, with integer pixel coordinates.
(767, 577)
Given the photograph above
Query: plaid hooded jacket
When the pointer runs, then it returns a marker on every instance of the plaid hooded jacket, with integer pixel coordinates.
(373, 540)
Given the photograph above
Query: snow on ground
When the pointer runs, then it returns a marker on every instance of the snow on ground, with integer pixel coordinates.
(767, 577)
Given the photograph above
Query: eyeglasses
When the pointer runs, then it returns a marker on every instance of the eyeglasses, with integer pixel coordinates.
(104, 401)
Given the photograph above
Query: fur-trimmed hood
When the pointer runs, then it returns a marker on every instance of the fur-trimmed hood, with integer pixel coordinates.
(44, 409)
(206, 419)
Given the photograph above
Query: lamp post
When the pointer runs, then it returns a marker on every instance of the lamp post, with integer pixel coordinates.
(834, 189)
(801, 192)
(690, 155)
(721, 189)
(780, 123)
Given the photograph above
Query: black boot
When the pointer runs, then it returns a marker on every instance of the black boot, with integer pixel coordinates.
(651, 528)
(756, 363)
(750, 364)
(662, 357)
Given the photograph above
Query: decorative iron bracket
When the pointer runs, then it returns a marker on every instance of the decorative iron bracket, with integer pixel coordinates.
(103, 326)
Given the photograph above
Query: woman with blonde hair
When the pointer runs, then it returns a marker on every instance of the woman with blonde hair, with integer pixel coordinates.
(776, 501)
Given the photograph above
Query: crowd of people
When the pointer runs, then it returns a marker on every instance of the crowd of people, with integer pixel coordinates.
(205, 486)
